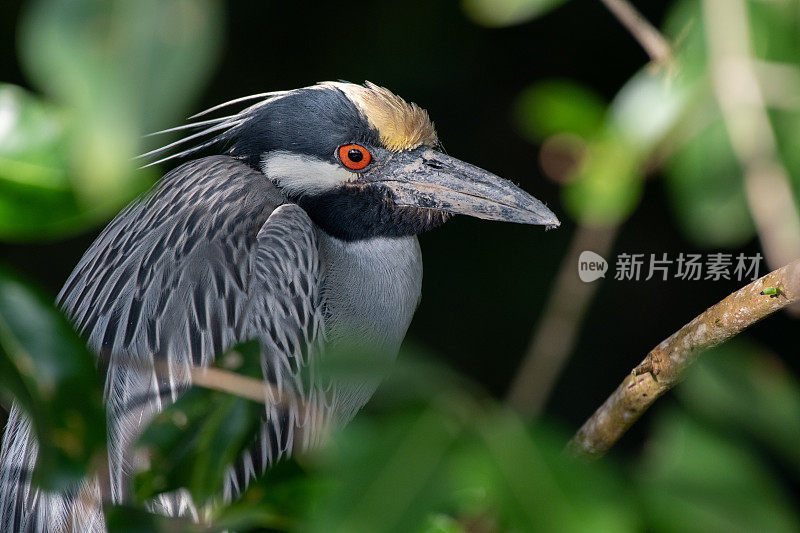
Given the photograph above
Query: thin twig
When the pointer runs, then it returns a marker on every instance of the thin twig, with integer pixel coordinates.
(238, 385)
(645, 33)
(666, 364)
(316, 416)
(214, 378)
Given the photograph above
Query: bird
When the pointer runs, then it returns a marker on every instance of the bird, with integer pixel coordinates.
(294, 222)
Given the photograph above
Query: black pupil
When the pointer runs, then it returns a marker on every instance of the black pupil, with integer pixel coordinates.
(355, 155)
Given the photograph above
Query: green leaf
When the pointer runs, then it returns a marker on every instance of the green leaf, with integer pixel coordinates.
(116, 69)
(31, 140)
(743, 387)
(559, 106)
(648, 108)
(386, 473)
(533, 486)
(775, 26)
(129, 519)
(36, 195)
(704, 176)
(192, 442)
(441, 523)
(279, 500)
(451, 454)
(705, 182)
(498, 13)
(606, 186)
(787, 134)
(48, 370)
(609, 184)
(693, 479)
(135, 64)
(684, 27)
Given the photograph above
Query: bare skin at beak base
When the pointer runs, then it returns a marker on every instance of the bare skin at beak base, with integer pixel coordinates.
(429, 179)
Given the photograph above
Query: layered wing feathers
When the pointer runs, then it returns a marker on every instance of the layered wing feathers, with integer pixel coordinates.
(212, 257)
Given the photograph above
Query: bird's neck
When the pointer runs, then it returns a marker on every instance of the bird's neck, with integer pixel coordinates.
(363, 213)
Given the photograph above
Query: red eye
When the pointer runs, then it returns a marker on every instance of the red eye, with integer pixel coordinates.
(354, 156)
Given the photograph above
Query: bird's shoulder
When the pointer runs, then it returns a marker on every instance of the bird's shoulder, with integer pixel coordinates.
(189, 250)
(213, 256)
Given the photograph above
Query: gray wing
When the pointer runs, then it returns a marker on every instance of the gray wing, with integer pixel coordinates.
(285, 310)
(213, 257)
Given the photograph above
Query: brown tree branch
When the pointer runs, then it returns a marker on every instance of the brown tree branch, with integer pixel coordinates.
(645, 33)
(666, 364)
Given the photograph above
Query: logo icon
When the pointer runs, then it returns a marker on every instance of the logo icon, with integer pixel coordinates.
(591, 266)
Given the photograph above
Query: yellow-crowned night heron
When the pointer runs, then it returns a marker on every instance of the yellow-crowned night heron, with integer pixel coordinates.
(301, 234)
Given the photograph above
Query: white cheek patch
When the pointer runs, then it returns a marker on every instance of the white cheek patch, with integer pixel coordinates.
(299, 174)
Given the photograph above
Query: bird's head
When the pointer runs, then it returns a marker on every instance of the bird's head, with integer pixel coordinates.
(363, 162)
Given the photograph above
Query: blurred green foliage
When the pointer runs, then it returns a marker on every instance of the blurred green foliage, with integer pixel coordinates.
(192, 443)
(433, 453)
(112, 71)
(33, 170)
(47, 368)
(444, 457)
(497, 13)
(667, 115)
(748, 390)
(559, 106)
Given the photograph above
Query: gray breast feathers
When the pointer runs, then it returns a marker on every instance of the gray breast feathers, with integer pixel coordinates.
(371, 290)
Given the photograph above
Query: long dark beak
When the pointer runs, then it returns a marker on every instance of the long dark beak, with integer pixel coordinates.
(426, 178)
